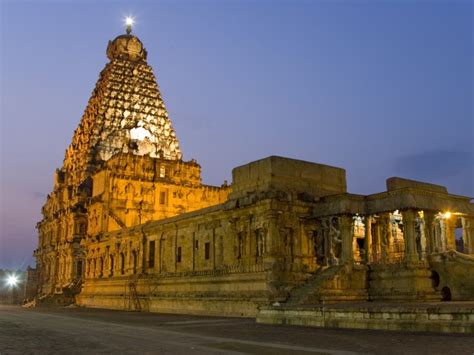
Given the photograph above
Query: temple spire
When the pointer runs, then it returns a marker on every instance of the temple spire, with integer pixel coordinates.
(125, 114)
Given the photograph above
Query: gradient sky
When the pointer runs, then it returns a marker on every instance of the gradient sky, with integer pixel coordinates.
(380, 88)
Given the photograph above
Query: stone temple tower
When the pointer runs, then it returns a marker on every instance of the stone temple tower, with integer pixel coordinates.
(125, 114)
(123, 168)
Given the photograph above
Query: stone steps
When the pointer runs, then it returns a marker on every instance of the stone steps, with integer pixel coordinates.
(306, 292)
(55, 300)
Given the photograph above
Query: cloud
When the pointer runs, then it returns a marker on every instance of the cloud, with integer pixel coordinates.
(435, 165)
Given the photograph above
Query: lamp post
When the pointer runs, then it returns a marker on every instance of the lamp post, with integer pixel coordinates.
(12, 282)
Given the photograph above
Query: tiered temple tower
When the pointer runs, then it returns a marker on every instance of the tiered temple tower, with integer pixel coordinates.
(123, 167)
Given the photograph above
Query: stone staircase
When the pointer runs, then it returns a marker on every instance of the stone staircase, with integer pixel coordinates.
(66, 298)
(337, 283)
(55, 300)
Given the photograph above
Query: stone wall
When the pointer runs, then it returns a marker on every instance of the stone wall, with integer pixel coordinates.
(254, 248)
(399, 317)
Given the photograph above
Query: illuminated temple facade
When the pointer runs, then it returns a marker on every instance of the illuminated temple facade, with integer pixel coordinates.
(129, 224)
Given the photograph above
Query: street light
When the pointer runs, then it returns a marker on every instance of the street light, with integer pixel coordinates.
(12, 280)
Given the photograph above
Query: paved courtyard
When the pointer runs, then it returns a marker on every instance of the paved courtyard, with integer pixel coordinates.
(78, 330)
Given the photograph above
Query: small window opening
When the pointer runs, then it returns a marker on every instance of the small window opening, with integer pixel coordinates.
(135, 261)
(111, 265)
(101, 267)
(240, 245)
(162, 198)
(151, 254)
(178, 255)
(434, 279)
(207, 250)
(122, 263)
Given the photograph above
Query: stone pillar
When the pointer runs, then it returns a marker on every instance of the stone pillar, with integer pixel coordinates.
(384, 235)
(409, 235)
(468, 235)
(214, 248)
(327, 242)
(107, 262)
(86, 267)
(128, 259)
(442, 235)
(146, 257)
(194, 251)
(429, 218)
(175, 249)
(355, 247)
(450, 225)
(273, 238)
(368, 239)
(143, 260)
(96, 266)
(347, 254)
(160, 252)
(376, 239)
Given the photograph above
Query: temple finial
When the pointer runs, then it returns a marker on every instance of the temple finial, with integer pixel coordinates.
(129, 21)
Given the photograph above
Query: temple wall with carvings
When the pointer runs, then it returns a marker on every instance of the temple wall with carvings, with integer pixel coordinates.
(254, 254)
(132, 190)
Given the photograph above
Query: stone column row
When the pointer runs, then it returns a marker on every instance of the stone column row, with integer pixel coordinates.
(445, 238)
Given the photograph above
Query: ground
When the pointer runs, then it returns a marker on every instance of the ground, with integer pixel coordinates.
(79, 330)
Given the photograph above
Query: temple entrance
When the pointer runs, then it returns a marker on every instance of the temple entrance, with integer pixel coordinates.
(445, 294)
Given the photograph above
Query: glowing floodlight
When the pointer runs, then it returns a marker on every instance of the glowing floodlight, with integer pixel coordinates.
(447, 215)
(12, 280)
(129, 22)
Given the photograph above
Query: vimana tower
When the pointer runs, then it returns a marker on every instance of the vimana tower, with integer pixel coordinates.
(129, 224)
(123, 167)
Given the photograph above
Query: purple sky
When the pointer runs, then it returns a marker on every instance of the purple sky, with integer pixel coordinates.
(380, 88)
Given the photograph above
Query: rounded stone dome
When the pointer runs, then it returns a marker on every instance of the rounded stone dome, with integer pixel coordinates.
(126, 47)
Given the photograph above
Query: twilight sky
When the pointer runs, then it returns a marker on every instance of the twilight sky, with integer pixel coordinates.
(380, 88)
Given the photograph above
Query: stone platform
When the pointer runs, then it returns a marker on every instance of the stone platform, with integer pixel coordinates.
(442, 317)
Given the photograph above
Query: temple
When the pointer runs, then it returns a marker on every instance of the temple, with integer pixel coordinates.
(130, 225)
